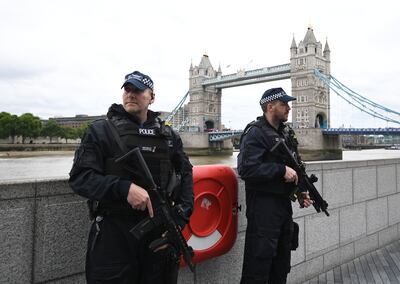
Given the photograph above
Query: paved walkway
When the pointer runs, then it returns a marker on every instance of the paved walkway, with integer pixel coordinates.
(381, 267)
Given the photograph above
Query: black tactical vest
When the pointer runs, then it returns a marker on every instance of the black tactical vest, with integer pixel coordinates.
(272, 137)
(155, 143)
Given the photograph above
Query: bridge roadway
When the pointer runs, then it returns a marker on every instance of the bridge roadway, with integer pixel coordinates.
(362, 131)
(223, 135)
(242, 77)
(380, 266)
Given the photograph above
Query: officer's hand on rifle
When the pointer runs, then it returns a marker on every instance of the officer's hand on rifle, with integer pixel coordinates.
(139, 199)
(290, 175)
(304, 200)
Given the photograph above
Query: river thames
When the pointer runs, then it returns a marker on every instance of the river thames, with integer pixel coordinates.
(51, 167)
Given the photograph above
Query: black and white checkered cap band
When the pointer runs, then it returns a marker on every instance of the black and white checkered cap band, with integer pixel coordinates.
(272, 98)
(147, 82)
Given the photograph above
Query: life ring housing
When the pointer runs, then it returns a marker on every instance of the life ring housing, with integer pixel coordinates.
(212, 229)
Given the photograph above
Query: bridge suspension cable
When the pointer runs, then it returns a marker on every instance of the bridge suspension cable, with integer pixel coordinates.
(360, 102)
(175, 110)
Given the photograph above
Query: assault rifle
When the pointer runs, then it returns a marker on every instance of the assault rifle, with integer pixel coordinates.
(164, 215)
(306, 183)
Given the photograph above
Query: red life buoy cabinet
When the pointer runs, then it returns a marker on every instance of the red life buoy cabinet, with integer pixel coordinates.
(212, 229)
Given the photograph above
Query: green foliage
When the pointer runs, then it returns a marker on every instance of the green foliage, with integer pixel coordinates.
(69, 133)
(28, 125)
(8, 125)
(81, 130)
(51, 129)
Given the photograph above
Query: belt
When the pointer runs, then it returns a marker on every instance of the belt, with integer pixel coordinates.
(119, 210)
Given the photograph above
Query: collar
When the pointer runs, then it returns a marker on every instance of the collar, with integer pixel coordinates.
(118, 110)
(280, 128)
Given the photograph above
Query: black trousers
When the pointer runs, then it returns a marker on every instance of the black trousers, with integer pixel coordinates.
(268, 239)
(115, 256)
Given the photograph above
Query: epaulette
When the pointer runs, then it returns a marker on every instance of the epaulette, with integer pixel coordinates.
(258, 123)
(248, 127)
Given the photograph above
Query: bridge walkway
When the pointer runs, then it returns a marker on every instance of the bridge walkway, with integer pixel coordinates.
(381, 267)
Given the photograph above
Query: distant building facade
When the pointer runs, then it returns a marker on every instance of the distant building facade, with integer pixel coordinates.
(81, 119)
(77, 121)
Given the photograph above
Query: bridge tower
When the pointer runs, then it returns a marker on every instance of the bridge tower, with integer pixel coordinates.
(204, 107)
(312, 107)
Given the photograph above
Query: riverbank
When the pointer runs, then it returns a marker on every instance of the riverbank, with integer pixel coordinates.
(36, 150)
(28, 154)
(38, 147)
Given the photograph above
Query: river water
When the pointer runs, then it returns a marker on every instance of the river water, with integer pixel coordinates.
(50, 167)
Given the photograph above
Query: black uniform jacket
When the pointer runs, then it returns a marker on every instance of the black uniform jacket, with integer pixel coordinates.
(89, 179)
(257, 166)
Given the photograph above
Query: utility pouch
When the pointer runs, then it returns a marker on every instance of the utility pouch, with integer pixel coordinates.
(295, 236)
(174, 185)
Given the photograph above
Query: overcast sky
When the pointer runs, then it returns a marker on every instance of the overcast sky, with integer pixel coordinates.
(62, 58)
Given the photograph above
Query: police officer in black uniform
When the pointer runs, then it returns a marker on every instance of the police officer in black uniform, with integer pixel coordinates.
(116, 190)
(269, 183)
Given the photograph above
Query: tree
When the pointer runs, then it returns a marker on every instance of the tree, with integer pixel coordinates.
(8, 125)
(69, 133)
(51, 129)
(81, 130)
(28, 125)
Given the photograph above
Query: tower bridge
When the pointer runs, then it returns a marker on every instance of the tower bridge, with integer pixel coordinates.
(311, 109)
(199, 121)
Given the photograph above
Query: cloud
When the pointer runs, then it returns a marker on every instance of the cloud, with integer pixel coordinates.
(65, 58)
(19, 72)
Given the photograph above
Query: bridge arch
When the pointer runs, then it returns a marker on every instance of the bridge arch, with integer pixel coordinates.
(209, 125)
(321, 120)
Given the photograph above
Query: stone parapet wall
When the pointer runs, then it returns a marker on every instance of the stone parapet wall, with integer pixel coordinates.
(43, 230)
(363, 197)
(363, 200)
(44, 226)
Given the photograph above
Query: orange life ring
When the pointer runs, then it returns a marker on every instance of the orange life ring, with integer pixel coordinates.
(212, 229)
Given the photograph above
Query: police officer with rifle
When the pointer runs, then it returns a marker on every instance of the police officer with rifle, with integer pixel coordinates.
(137, 214)
(271, 181)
